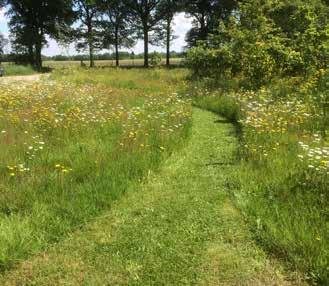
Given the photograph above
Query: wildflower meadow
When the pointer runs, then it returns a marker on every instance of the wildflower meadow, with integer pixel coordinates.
(163, 142)
(282, 182)
(68, 149)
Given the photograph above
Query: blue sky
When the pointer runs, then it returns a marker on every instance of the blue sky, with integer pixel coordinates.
(181, 25)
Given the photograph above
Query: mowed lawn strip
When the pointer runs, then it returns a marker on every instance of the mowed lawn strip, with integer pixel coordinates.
(179, 227)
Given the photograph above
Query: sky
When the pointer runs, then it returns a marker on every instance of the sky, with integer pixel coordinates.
(181, 25)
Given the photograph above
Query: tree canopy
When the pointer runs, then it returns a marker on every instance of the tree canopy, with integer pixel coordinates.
(265, 39)
(105, 23)
(32, 21)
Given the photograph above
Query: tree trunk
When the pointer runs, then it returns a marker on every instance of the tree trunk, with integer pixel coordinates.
(146, 48)
(90, 44)
(168, 42)
(31, 54)
(117, 56)
(203, 26)
(91, 55)
(38, 57)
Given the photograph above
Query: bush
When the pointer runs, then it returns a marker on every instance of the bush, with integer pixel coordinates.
(262, 41)
(155, 59)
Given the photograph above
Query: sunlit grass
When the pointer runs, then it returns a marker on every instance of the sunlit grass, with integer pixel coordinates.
(71, 146)
(12, 69)
(283, 177)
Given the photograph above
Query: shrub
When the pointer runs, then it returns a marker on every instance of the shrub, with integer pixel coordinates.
(264, 40)
(155, 59)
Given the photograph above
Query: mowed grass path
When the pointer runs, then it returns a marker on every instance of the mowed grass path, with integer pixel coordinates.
(178, 227)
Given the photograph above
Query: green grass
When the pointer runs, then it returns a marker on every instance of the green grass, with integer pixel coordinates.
(144, 80)
(68, 150)
(285, 202)
(177, 227)
(12, 70)
(80, 203)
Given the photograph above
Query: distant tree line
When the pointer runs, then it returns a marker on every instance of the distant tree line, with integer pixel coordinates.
(123, 55)
(94, 25)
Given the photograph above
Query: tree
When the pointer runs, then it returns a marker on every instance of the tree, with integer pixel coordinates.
(89, 34)
(206, 14)
(264, 40)
(31, 21)
(168, 8)
(118, 29)
(148, 17)
(3, 43)
(23, 44)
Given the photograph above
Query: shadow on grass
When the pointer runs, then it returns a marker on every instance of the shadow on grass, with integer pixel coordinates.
(223, 121)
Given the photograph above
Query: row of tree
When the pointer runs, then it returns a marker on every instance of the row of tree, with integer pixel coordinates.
(99, 56)
(99, 24)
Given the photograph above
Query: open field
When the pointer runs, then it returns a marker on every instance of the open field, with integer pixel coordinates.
(86, 183)
(178, 227)
(211, 171)
(106, 63)
(21, 70)
(70, 149)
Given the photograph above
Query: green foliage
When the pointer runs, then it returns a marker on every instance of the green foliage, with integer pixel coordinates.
(3, 43)
(155, 59)
(148, 16)
(278, 50)
(32, 21)
(117, 29)
(207, 14)
(262, 41)
(89, 35)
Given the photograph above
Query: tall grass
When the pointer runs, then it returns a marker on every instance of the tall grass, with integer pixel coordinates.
(282, 183)
(70, 147)
(12, 69)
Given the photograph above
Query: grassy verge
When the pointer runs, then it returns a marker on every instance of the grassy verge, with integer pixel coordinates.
(178, 227)
(70, 148)
(12, 70)
(283, 176)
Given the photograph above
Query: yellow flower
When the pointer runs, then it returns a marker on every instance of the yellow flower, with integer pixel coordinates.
(12, 174)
